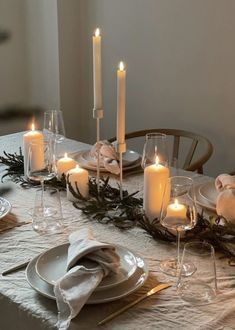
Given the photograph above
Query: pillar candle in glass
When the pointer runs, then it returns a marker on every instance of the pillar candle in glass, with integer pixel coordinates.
(65, 164)
(155, 179)
(80, 176)
(37, 152)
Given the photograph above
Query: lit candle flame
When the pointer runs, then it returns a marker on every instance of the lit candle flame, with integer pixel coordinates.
(66, 155)
(157, 160)
(33, 127)
(176, 205)
(97, 32)
(121, 66)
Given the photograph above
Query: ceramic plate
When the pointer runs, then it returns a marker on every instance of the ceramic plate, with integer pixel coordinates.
(201, 201)
(208, 191)
(5, 207)
(98, 297)
(51, 265)
(132, 160)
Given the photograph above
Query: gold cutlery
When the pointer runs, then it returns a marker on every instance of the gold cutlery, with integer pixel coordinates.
(16, 267)
(157, 288)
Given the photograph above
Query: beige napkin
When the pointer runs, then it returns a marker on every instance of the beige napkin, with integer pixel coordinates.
(74, 289)
(224, 181)
(108, 156)
(225, 205)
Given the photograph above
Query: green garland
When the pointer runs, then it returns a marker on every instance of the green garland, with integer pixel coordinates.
(15, 171)
(106, 206)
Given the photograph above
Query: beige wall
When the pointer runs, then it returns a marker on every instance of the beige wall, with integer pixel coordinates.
(29, 61)
(180, 57)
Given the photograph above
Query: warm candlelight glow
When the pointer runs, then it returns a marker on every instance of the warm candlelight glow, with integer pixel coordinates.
(121, 66)
(66, 155)
(33, 127)
(176, 204)
(157, 160)
(97, 32)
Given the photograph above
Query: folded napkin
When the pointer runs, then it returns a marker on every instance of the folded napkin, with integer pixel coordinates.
(224, 181)
(75, 287)
(108, 156)
(225, 205)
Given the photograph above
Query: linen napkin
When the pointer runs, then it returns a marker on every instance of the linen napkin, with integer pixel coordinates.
(224, 181)
(225, 205)
(75, 287)
(108, 156)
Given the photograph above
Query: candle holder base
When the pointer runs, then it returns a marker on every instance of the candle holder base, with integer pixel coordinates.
(121, 148)
(98, 113)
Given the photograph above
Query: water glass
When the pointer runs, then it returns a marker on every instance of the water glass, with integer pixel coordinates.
(201, 286)
(47, 212)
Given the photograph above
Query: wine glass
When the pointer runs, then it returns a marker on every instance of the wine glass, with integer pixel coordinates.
(41, 167)
(156, 173)
(41, 161)
(155, 145)
(54, 125)
(178, 214)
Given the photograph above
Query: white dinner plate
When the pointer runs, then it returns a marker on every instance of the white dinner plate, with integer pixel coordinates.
(132, 160)
(51, 265)
(201, 201)
(5, 207)
(98, 297)
(209, 192)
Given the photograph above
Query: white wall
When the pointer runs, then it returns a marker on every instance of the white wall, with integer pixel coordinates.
(180, 57)
(14, 87)
(43, 56)
(29, 61)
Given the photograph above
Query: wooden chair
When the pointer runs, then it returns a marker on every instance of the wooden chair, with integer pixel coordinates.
(189, 151)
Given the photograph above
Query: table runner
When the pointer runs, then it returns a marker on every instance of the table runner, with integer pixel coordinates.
(23, 308)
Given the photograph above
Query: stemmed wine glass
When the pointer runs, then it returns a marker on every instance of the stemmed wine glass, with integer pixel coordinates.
(41, 161)
(41, 167)
(54, 125)
(178, 214)
(156, 173)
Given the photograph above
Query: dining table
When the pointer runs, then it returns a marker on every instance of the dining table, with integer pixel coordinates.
(24, 308)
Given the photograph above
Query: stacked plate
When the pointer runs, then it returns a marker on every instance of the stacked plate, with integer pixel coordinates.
(206, 195)
(131, 160)
(5, 207)
(44, 270)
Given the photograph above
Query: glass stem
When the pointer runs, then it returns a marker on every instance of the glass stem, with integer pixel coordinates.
(178, 248)
(42, 196)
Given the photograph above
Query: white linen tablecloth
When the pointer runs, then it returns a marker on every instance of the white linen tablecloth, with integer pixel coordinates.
(23, 308)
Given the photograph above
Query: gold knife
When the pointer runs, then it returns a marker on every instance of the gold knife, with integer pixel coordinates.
(16, 267)
(157, 288)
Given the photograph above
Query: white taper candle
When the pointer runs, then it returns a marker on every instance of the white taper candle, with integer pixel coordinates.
(121, 103)
(97, 77)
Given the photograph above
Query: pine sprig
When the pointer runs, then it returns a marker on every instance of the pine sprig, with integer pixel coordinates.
(15, 171)
(14, 164)
(106, 205)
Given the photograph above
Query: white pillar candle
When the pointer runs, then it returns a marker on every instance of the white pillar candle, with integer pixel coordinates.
(155, 180)
(176, 210)
(97, 77)
(121, 103)
(80, 176)
(65, 164)
(37, 153)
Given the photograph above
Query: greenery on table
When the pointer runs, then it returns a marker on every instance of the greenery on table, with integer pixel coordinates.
(107, 207)
(15, 171)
